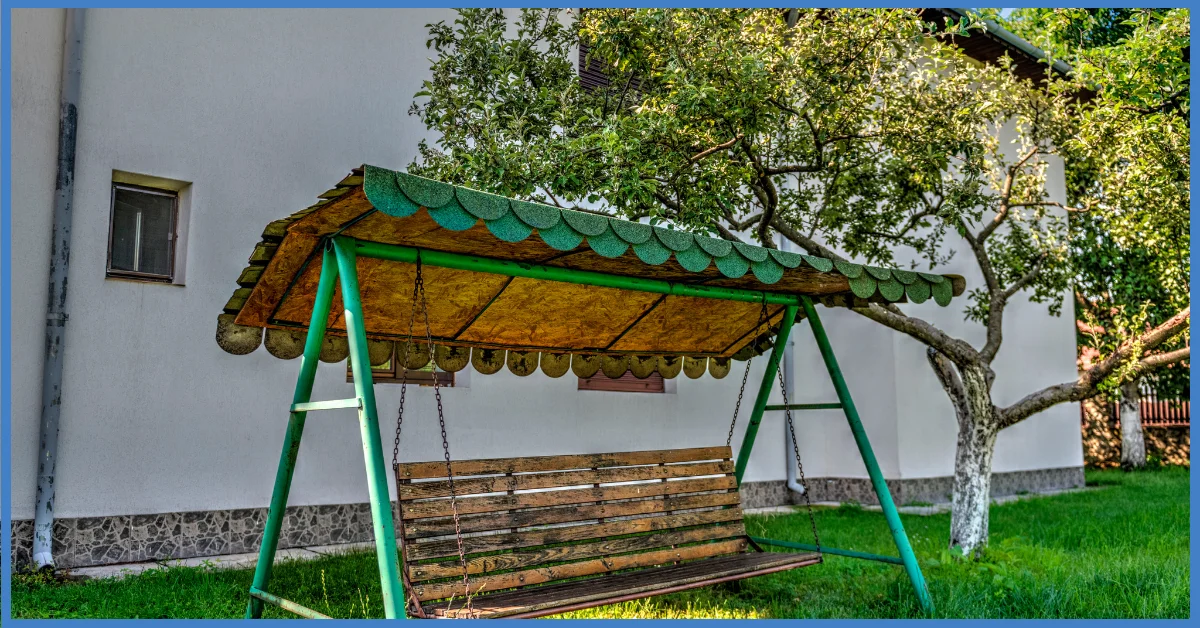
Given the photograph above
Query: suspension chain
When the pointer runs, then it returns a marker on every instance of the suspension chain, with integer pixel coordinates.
(737, 408)
(437, 394)
(404, 369)
(787, 413)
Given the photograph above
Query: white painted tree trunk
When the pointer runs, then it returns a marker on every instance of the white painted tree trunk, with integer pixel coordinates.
(977, 432)
(1133, 441)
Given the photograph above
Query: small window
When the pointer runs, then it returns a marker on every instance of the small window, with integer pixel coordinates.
(625, 383)
(142, 234)
(388, 373)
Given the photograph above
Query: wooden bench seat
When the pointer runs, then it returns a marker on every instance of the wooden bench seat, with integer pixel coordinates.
(548, 534)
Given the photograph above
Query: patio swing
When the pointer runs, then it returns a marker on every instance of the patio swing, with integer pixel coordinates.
(534, 536)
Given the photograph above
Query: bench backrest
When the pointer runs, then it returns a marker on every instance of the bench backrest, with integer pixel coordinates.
(527, 521)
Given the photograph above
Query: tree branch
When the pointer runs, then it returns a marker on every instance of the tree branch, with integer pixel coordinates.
(1024, 280)
(1006, 195)
(951, 382)
(959, 351)
(1088, 382)
(719, 147)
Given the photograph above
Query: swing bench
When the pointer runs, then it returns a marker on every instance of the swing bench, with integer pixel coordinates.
(535, 536)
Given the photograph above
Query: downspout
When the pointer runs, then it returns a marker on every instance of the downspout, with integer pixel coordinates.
(56, 308)
(789, 367)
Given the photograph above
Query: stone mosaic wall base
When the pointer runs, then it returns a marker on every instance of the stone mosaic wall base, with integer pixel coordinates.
(89, 541)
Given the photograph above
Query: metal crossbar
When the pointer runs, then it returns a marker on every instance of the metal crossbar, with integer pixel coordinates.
(287, 605)
(333, 404)
(804, 406)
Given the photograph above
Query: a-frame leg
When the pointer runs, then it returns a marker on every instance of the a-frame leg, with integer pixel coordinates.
(368, 421)
(291, 438)
(764, 392)
(868, 456)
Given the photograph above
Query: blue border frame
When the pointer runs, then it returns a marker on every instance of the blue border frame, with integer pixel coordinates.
(6, 238)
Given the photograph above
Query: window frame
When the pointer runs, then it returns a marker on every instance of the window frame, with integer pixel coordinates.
(391, 375)
(172, 240)
(603, 383)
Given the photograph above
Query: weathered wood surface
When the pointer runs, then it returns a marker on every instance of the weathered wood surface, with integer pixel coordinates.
(565, 553)
(437, 468)
(483, 584)
(443, 526)
(534, 538)
(501, 483)
(496, 503)
(543, 600)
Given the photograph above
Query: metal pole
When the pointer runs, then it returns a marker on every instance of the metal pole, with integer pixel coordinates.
(764, 391)
(56, 306)
(398, 253)
(291, 439)
(827, 550)
(368, 421)
(868, 456)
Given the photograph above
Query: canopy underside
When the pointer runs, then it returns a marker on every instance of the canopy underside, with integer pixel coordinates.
(513, 320)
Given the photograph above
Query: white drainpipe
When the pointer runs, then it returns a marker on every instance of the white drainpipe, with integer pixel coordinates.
(788, 381)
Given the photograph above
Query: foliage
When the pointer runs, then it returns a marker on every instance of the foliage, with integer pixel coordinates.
(1129, 166)
(1097, 553)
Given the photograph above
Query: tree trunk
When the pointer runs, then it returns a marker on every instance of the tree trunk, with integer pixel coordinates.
(977, 432)
(1133, 442)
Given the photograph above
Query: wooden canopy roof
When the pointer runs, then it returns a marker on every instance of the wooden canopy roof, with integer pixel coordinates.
(491, 320)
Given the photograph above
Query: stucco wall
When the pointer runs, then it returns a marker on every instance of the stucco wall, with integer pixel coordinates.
(262, 110)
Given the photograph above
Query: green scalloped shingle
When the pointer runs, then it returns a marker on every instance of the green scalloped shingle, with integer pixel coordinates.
(452, 217)
(694, 259)
(536, 215)
(608, 244)
(892, 290)
(732, 265)
(482, 205)
(509, 228)
(673, 239)
(882, 274)
(932, 278)
(767, 271)
(849, 269)
(427, 193)
(715, 247)
(631, 232)
(652, 252)
(863, 286)
(788, 260)
(819, 263)
(918, 291)
(384, 193)
(561, 237)
(906, 277)
(751, 252)
(943, 292)
(585, 223)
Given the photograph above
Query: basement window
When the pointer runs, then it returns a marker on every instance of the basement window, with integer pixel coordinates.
(625, 383)
(390, 373)
(142, 233)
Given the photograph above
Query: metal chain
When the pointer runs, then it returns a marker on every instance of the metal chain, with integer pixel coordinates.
(437, 394)
(787, 413)
(404, 371)
(737, 408)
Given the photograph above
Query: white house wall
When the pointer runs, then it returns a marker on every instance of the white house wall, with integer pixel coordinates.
(263, 109)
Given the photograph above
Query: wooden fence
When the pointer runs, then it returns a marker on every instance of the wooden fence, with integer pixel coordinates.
(1156, 412)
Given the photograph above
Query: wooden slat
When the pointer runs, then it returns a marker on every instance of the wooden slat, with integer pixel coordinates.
(542, 600)
(493, 503)
(567, 553)
(500, 466)
(533, 538)
(501, 483)
(424, 528)
(572, 570)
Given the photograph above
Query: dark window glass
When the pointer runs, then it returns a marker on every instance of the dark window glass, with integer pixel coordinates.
(143, 233)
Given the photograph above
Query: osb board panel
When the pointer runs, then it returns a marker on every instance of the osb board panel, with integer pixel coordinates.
(719, 327)
(533, 313)
(289, 258)
(332, 216)
(453, 298)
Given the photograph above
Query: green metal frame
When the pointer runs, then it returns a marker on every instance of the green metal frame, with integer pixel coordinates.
(339, 262)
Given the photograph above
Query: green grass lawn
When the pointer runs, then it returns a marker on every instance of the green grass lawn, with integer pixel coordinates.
(1118, 550)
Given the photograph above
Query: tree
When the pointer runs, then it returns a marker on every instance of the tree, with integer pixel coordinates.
(852, 133)
(1131, 259)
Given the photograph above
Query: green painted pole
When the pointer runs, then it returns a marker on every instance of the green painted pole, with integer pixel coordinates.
(827, 550)
(368, 420)
(868, 456)
(764, 391)
(295, 428)
(398, 253)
